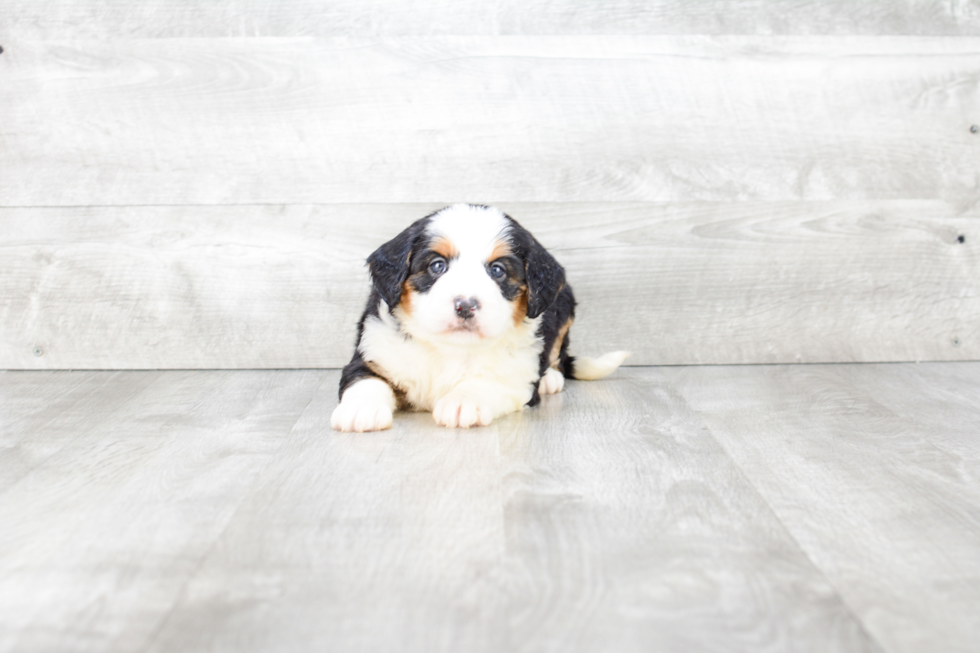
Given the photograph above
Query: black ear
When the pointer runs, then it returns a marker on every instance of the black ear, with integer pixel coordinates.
(389, 264)
(545, 276)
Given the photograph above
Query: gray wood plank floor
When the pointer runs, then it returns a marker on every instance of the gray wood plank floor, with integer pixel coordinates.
(753, 508)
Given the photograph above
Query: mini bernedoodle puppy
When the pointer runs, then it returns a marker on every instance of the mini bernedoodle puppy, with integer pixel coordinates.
(468, 318)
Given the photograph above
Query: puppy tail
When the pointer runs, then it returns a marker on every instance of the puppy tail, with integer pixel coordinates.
(590, 369)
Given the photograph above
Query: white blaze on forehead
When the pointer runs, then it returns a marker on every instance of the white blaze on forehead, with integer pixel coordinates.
(474, 233)
(473, 230)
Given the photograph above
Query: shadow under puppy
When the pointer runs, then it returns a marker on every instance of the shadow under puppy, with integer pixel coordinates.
(468, 318)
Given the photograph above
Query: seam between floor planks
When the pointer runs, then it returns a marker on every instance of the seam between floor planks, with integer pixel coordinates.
(747, 479)
(941, 494)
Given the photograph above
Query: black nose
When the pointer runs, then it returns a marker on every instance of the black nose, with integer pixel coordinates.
(465, 308)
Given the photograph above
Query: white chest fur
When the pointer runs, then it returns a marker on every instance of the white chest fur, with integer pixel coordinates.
(428, 371)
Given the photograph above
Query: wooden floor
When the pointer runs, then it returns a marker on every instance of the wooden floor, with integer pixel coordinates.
(753, 508)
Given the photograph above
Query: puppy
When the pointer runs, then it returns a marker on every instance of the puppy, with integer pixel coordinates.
(468, 318)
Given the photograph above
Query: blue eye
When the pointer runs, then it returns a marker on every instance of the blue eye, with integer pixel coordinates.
(497, 271)
(437, 266)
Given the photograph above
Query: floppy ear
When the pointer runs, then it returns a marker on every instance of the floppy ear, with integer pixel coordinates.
(389, 264)
(545, 277)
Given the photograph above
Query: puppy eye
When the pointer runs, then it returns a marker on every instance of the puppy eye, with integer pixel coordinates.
(437, 266)
(497, 271)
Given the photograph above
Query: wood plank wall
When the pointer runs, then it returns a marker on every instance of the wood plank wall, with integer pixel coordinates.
(197, 184)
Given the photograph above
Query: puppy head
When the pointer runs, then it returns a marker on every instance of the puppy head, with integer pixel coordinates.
(464, 274)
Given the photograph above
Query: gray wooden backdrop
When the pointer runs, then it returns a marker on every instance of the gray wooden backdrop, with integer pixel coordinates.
(196, 184)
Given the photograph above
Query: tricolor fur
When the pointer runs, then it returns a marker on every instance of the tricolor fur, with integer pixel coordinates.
(468, 318)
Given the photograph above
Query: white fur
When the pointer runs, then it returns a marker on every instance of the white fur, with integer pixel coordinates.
(366, 406)
(467, 372)
(590, 369)
(474, 231)
(465, 377)
(479, 381)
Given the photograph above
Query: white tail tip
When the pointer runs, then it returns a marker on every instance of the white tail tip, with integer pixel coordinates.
(590, 369)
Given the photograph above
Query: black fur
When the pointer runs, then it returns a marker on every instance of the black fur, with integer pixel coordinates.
(548, 296)
(357, 369)
(552, 320)
(513, 283)
(421, 278)
(544, 275)
(389, 264)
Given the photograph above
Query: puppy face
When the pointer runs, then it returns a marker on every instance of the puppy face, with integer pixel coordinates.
(465, 274)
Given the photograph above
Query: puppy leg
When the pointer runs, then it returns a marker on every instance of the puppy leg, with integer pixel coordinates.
(477, 403)
(552, 382)
(366, 406)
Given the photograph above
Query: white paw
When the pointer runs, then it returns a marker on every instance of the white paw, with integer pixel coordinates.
(366, 406)
(459, 411)
(360, 418)
(552, 382)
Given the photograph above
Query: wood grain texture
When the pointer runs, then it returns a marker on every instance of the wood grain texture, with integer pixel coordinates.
(875, 470)
(283, 286)
(606, 519)
(72, 19)
(42, 413)
(439, 119)
(614, 496)
(803, 508)
(97, 541)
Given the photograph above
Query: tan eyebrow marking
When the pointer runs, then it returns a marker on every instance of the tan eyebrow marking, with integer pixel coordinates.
(444, 248)
(501, 248)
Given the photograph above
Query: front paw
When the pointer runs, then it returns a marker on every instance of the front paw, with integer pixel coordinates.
(367, 405)
(460, 411)
(360, 417)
